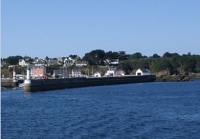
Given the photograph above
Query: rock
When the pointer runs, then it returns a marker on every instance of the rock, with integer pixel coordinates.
(163, 73)
(186, 78)
(174, 78)
(164, 76)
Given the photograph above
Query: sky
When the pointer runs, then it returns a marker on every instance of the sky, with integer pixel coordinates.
(59, 28)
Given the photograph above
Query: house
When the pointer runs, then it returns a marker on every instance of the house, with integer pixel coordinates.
(97, 74)
(76, 73)
(39, 62)
(140, 72)
(60, 73)
(114, 72)
(22, 63)
(114, 61)
(39, 72)
(120, 73)
(81, 63)
(111, 61)
(52, 62)
(35, 60)
(60, 60)
(69, 61)
(111, 72)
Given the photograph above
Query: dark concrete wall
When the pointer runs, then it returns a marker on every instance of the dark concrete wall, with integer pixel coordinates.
(52, 84)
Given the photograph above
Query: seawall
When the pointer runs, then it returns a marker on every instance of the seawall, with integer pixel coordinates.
(8, 83)
(53, 84)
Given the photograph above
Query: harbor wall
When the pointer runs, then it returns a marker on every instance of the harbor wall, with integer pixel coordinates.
(53, 84)
(8, 83)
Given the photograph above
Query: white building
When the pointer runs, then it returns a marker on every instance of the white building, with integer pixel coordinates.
(120, 73)
(22, 63)
(62, 73)
(52, 62)
(76, 73)
(140, 72)
(112, 61)
(39, 62)
(69, 61)
(111, 72)
(97, 74)
(114, 72)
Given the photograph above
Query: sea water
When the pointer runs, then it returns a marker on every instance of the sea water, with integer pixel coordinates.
(169, 110)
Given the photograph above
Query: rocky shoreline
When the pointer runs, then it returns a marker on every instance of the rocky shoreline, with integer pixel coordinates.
(177, 78)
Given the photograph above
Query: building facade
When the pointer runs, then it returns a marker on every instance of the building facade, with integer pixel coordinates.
(39, 72)
(22, 63)
(140, 72)
(76, 73)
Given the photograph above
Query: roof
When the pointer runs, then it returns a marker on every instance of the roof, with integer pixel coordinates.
(145, 70)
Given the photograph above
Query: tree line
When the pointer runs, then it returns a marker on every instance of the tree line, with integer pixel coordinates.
(173, 62)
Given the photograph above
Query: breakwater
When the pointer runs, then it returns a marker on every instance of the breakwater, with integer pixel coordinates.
(34, 85)
(8, 83)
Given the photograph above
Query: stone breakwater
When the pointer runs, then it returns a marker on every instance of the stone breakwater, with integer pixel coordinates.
(53, 84)
(8, 83)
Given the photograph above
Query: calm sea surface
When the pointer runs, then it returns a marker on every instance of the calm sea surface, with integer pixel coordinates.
(157, 110)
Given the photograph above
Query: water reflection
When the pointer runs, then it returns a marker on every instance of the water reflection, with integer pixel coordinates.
(27, 94)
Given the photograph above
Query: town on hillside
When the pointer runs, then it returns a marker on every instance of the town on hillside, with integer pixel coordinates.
(98, 63)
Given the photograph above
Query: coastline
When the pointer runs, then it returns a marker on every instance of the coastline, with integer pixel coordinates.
(178, 78)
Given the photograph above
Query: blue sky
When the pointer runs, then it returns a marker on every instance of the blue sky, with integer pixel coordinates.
(54, 28)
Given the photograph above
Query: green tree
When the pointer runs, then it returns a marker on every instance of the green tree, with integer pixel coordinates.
(125, 66)
(46, 58)
(136, 55)
(197, 66)
(189, 65)
(73, 56)
(94, 57)
(13, 60)
(155, 56)
(162, 64)
(166, 55)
